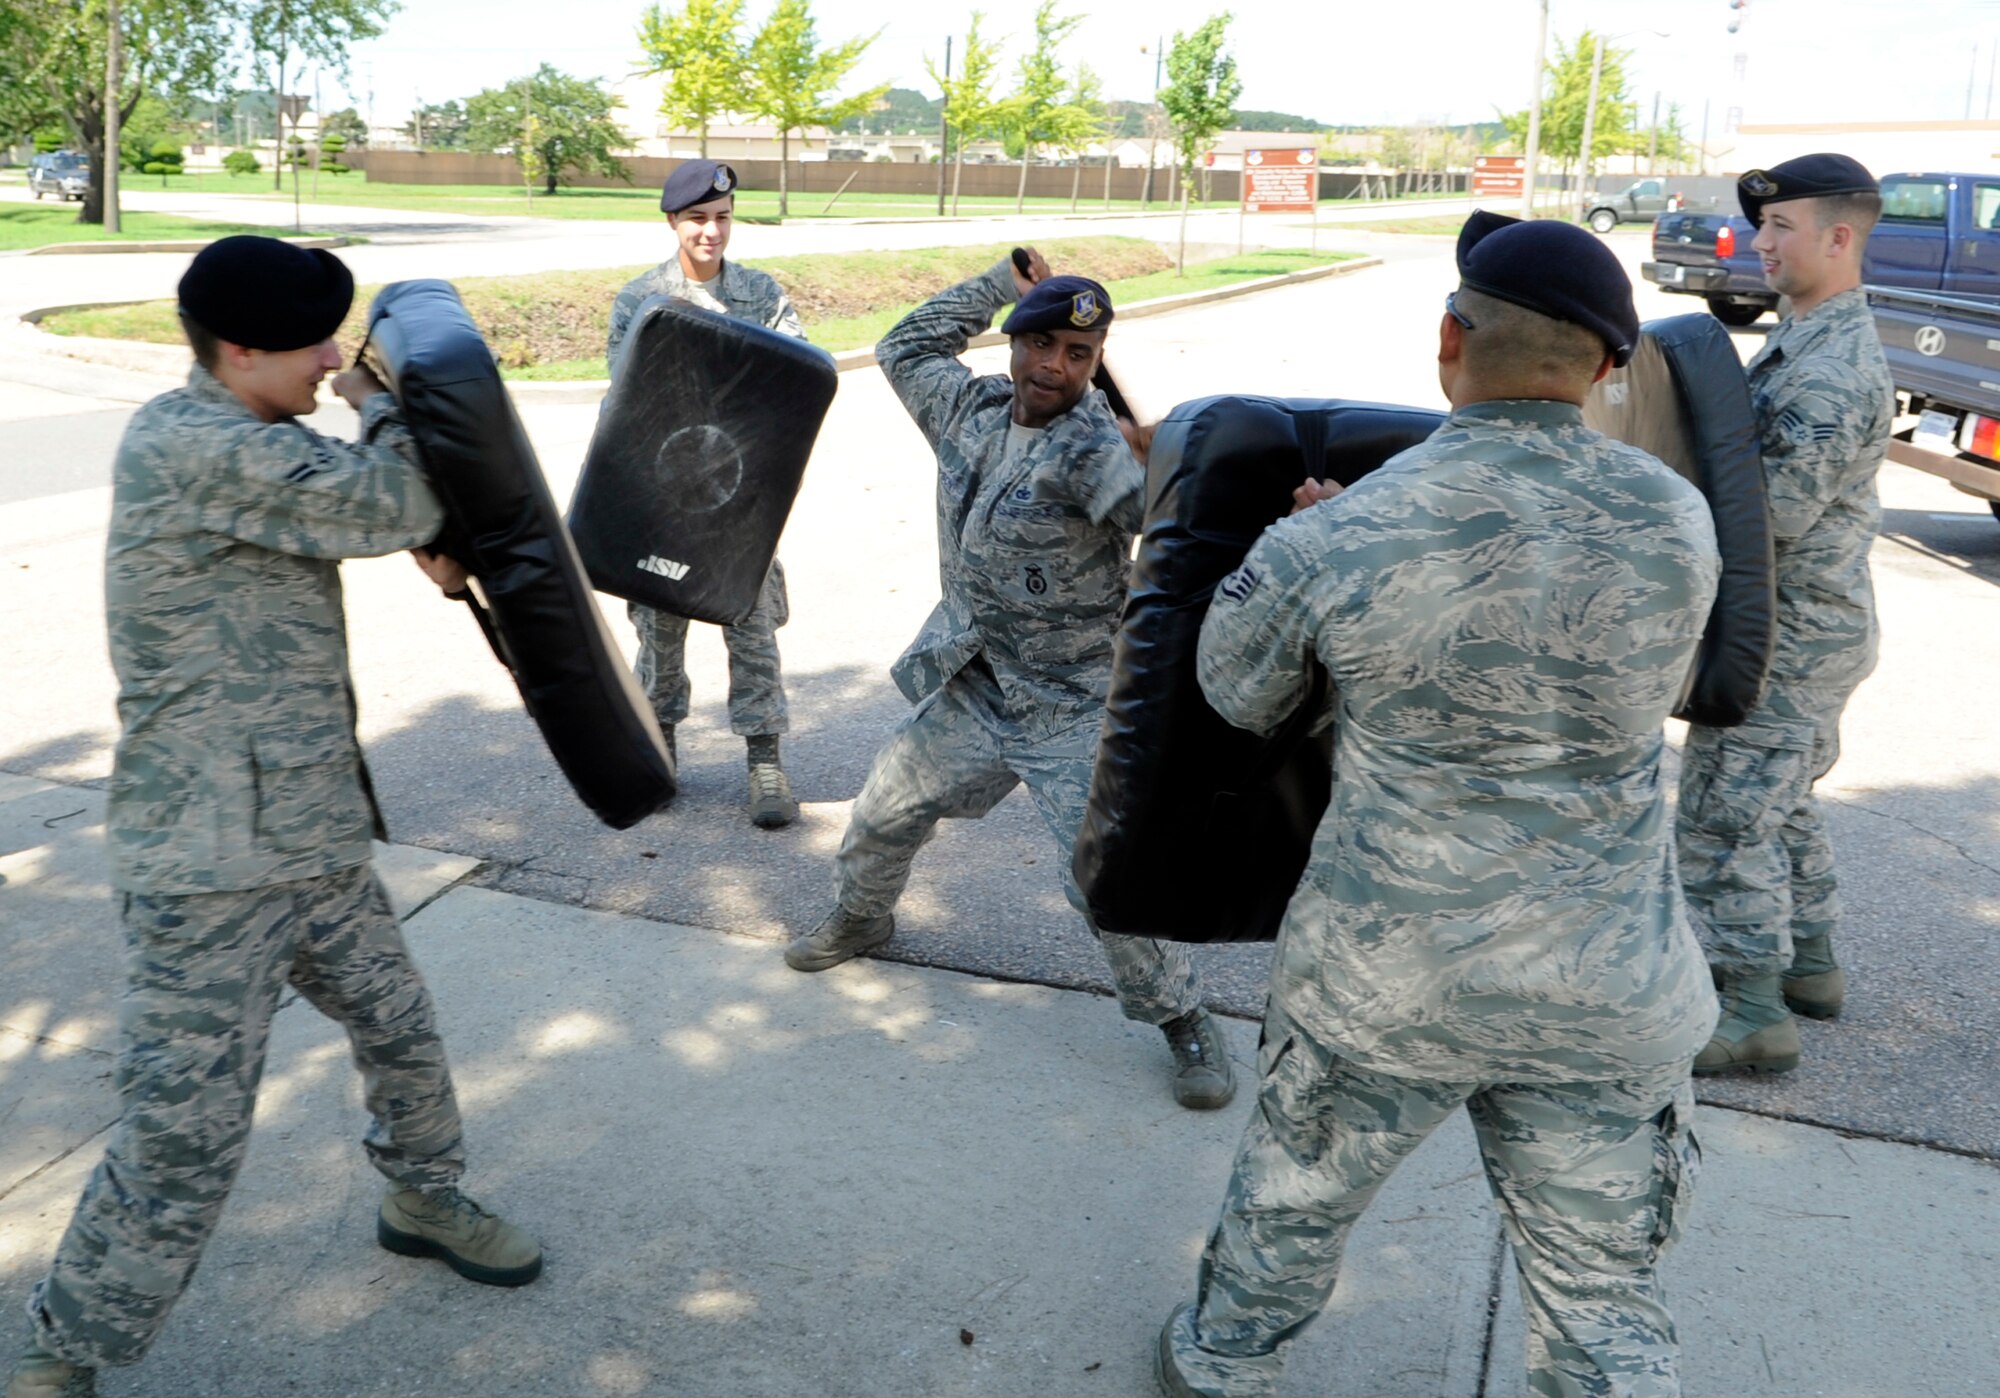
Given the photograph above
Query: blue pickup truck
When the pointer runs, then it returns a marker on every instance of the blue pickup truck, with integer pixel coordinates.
(1933, 277)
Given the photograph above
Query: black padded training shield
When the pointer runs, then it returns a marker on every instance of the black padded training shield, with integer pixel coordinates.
(1685, 399)
(697, 457)
(1197, 831)
(531, 596)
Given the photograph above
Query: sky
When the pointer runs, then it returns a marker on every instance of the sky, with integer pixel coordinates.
(1377, 62)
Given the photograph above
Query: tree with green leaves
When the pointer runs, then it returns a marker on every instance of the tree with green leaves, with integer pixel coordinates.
(792, 81)
(437, 125)
(1077, 123)
(171, 48)
(1566, 100)
(346, 124)
(552, 123)
(1200, 99)
(699, 50)
(1033, 114)
(310, 31)
(969, 104)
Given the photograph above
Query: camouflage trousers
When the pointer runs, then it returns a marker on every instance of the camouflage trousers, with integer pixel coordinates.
(204, 974)
(956, 756)
(1755, 862)
(1593, 1181)
(756, 679)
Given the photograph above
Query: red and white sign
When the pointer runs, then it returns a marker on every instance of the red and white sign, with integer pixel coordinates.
(1281, 181)
(1499, 176)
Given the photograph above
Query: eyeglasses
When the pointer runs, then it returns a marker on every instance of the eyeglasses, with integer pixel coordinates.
(1451, 309)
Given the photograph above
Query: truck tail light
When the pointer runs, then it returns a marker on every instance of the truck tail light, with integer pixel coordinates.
(1725, 242)
(1980, 436)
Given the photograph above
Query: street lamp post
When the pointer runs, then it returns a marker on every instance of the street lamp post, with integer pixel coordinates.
(1584, 156)
(1152, 122)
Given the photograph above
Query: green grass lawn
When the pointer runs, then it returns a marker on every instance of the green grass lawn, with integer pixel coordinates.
(637, 203)
(39, 225)
(550, 325)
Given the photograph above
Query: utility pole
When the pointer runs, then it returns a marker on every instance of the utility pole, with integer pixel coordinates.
(319, 128)
(1653, 154)
(1704, 134)
(1152, 123)
(112, 116)
(1535, 116)
(1583, 162)
(1992, 66)
(944, 126)
(1971, 78)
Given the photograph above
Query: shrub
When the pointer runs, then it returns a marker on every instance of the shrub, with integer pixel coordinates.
(241, 162)
(160, 167)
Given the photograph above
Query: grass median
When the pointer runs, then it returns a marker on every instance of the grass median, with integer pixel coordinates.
(25, 226)
(552, 325)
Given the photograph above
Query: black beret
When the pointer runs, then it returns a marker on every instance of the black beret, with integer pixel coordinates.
(1061, 303)
(1807, 177)
(265, 294)
(1553, 268)
(696, 182)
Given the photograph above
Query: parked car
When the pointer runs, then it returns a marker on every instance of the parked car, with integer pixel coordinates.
(62, 173)
(1638, 203)
(1708, 255)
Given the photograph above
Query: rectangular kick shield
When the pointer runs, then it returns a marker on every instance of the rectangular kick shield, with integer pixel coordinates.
(1685, 399)
(697, 457)
(530, 596)
(1198, 831)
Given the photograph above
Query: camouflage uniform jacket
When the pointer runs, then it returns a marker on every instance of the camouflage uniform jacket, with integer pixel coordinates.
(1033, 552)
(1825, 403)
(237, 766)
(737, 291)
(1507, 613)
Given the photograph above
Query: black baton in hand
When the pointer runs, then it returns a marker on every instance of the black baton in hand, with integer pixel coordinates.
(1101, 380)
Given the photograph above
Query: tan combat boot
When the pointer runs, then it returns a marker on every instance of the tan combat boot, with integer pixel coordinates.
(1757, 1033)
(1815, 986)
(1203, 1079)
(444, 1224)
(841, 937)
(772, 805)
(39, 1374)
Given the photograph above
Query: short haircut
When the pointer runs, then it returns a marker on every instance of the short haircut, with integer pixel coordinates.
(207, 348)
(1858, 211)
(1513, 344)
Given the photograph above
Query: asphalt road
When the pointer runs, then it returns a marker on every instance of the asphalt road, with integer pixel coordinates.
(460, 769)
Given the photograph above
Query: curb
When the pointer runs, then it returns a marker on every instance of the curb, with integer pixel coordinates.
(171, 245)
(142, 357)
(590, 390)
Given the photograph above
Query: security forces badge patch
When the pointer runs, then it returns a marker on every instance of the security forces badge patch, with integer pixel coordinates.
(1084, 310)
(1760, 184)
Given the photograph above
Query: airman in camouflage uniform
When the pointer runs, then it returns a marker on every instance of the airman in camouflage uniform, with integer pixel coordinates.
(1010, 671)
(1755, 862)
(240, 813)
(698, 197)
(1489, 917)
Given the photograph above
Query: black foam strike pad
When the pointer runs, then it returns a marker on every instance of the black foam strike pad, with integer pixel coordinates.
(696, 459)
(532, 598)
(1197, 831)
(1685, 399)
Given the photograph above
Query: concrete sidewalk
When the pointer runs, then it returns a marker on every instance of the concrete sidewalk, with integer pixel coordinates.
(884, 1180)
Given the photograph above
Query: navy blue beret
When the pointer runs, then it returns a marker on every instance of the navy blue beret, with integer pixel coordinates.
(265, 294)
(1807, 177)
(1553, 268)
(1061, 303)
(696, 182)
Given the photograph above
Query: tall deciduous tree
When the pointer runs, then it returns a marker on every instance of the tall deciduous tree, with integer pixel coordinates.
(171, 47)
(968, 97)
(552, 123)
(699, 49)
(1033, 114)
(1078, 122)
(286, 35)
(1567, 98)
(792, 81)
(1200, 99)
(437, 126)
